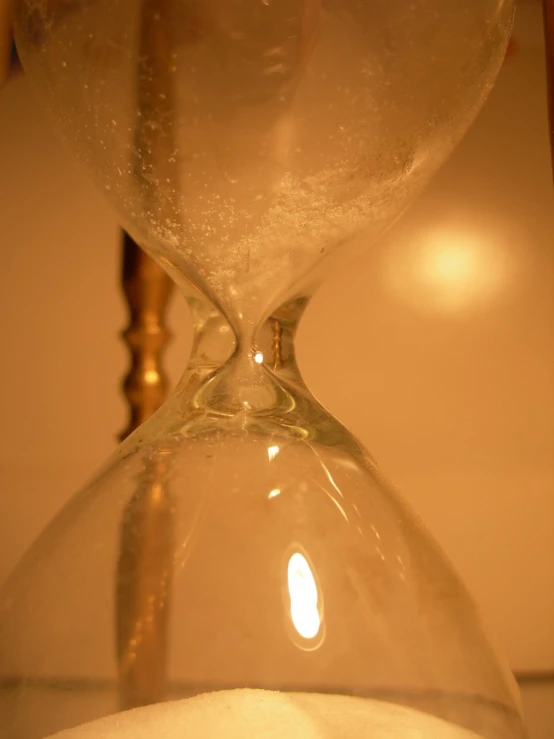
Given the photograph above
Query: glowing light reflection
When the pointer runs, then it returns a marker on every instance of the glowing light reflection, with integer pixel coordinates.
(151, 377)
(448, 269)
(272, 452)
(303, 597)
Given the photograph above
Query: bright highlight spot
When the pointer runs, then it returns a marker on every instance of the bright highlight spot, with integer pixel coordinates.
(448, 269)
(452, 263)
(274, 493)
(303, 597)
(258, 357)
(272, 452)
(151, 377)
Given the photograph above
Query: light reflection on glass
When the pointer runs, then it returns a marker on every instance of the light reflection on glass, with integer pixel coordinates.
(272, 452)
(258, 357)
(333, 483)
(331, 497)
(303, 595)
(274, 493)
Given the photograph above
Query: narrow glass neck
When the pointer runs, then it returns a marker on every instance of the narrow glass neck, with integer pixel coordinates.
(243, 382)
(230, 373)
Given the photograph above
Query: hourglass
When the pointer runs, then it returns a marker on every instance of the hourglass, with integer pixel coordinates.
(240, 568)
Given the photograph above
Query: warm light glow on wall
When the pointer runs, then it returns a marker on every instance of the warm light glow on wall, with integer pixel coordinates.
(448, 269)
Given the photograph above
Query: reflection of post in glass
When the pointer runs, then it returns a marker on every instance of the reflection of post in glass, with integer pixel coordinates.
(144, 575)
(305, 609)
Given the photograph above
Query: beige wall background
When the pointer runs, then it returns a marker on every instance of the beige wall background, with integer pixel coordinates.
(437, 348)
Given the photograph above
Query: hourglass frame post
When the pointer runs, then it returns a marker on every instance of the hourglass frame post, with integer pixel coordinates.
(548, 12)
(144, 569)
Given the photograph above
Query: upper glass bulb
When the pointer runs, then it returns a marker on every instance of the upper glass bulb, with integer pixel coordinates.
(245, 141)
(240, 553)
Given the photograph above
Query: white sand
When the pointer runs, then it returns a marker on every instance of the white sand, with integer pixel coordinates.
(253, 714)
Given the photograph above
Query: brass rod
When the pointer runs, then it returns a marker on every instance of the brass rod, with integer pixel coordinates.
(277, 343)
(146, 545)
(147, 289)
(548, 12)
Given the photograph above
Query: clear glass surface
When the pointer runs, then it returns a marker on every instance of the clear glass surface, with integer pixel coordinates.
(242, 539)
